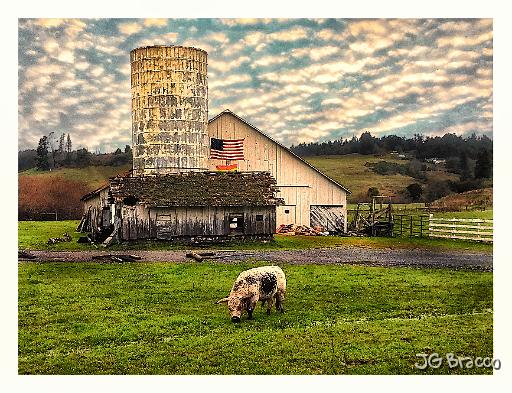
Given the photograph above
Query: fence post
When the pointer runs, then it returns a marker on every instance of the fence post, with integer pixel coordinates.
(430, 217)
(421, 226)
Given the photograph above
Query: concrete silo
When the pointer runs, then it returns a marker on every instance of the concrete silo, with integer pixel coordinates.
(169, 110)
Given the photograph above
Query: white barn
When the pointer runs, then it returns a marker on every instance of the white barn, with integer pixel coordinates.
(311, 197)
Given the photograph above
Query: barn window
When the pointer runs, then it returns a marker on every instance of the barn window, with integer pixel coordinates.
(287, 211)
(130, 200)
(236, 223)
(259, 217)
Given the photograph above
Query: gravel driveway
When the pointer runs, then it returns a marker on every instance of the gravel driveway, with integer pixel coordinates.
(339, 255)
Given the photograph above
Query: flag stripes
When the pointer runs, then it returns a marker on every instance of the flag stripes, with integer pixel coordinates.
(227, 149)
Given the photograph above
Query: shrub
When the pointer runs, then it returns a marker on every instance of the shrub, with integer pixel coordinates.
(38, 195)
(414, 191)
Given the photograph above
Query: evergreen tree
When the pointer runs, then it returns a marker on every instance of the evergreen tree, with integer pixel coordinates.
(42, 160)
(465, 172)
(483, 167)
(68, 144)
(61, 143)
(366, 143)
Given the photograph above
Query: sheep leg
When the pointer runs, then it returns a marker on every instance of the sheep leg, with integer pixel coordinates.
(270, 302)
(251, 305)
(279, 302)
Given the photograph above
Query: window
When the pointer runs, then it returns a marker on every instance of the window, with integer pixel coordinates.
(236, 223)
(259, 217)
(287, 211)
(130, 200)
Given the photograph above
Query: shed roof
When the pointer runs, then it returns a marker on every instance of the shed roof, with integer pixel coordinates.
(94, 193)
(198, 189)
(227, 111)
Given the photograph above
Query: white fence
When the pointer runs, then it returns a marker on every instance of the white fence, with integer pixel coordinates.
(460, 228)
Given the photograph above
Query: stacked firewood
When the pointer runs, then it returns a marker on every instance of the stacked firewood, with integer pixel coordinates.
(304, 230)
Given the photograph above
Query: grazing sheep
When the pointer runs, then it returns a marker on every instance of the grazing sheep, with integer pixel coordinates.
(263, 284)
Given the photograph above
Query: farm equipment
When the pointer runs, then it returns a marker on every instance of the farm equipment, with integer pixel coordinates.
(376, 220)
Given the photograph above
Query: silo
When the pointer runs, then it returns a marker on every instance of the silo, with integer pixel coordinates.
(169, 109)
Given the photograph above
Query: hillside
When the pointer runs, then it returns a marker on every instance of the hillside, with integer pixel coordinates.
(92, 177)
(350, 170)
(57, 193)
(481, 197)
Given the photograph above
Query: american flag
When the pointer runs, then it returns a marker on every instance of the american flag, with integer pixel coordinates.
(227, 149)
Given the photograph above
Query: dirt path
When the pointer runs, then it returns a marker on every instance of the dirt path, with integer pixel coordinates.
(339, 255)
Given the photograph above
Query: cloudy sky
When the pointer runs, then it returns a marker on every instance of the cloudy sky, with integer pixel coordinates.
(299, 80)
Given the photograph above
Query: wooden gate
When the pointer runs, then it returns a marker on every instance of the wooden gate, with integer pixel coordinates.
(331, 218)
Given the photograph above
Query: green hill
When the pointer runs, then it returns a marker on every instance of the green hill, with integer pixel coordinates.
(350, 170)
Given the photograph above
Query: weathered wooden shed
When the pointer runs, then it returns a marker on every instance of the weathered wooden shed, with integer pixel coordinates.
(196, 206)
(310, 197)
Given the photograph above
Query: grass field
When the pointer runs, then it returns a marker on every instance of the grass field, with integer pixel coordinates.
(34, 235)
(159, 318)
(93, 176)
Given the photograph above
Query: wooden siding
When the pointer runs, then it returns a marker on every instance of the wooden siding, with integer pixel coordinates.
(94, 208)
(139, 222)
(299, 184)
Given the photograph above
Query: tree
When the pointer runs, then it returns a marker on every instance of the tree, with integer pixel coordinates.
(61, 143)
(366, 143)
(83, 158)
(68, 144)
(465, 172)
(51, 147)
(414, 191)
(483, 167)
(127, 149)
(42, 161)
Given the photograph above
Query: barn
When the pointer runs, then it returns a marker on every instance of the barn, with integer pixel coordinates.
(179, 188)
(191, 206)
(310, 197)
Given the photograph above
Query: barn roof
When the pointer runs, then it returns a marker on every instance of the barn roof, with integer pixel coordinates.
(198, 189)
(227, 111)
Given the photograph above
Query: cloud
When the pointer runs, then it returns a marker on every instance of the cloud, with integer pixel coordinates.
(230, 80)
(225, 66)
(298, 79)
(268, 61)
(52, 22)
(159, 22)
(245, 21)
(464, 40)
(324, 51)
(129, 28)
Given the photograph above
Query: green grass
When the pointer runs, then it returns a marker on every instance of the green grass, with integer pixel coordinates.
(159, 318)
(33, 235)
(481, 214)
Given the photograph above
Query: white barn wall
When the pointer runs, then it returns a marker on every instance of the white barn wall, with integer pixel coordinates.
(300, 185)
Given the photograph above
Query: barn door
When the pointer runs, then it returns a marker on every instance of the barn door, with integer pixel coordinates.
(331, 218)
